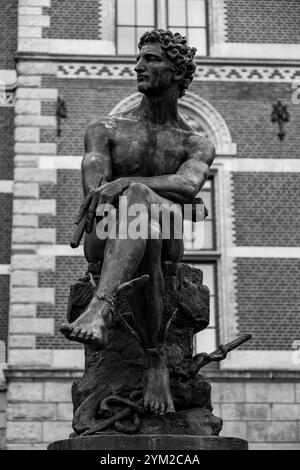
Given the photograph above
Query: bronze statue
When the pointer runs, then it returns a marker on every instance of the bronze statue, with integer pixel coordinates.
(138, 306)
(152, 156)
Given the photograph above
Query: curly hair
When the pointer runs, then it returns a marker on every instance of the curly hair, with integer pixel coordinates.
(176, 48)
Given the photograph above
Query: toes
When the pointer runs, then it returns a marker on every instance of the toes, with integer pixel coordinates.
(162, 409)
(65, 328)
(146, 403)
(170, 408)
(156, 407)
(81, 335)
(152, 403)
(74, 333)
(87, 336)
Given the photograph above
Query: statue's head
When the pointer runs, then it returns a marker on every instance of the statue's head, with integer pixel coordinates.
(164, 57)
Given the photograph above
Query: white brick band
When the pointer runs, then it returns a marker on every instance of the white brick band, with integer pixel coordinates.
(6, 186)
(261, 360)
(265, 252)
(4, 269)
(273, 165)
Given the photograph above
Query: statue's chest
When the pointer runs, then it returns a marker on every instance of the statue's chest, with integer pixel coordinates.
(148, 153)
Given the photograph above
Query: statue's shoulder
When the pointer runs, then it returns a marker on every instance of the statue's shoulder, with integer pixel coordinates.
(196, 140)
(104, 126)
(201, 139)
(125, 116)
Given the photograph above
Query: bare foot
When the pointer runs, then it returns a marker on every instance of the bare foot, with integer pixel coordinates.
(91, 326)
(157, 394)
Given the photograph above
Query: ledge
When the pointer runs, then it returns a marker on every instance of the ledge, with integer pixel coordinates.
(131, 59)
(213, 375)
(26, 373)
(200, 255)
(252, 375)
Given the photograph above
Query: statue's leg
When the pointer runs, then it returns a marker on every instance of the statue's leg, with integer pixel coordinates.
(156, 384)
(148, 314)
(121, 260)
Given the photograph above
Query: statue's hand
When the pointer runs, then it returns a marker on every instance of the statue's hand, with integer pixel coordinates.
(105, 194)
(113, 189)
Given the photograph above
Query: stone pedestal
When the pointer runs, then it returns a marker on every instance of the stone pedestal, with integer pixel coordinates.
(108, 399)
(150, 443)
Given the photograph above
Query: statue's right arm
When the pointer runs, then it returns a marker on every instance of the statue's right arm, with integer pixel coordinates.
(96, 162)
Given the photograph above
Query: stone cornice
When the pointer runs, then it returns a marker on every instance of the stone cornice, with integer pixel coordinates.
(208, 68)
(214, 375)
(116, 59)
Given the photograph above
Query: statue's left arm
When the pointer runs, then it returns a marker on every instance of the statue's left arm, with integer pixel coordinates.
(180, 187)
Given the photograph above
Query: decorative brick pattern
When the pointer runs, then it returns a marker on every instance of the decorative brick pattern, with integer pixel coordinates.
(74, 19)
(268, 301)
(8, 33)
(263, 21)
(264, 207)
(203, 72)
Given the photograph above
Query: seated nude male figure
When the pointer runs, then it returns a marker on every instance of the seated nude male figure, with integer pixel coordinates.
(152, 156)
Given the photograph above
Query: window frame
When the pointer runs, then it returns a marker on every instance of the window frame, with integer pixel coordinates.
(206, 3)
(156, 19)
(210, 256)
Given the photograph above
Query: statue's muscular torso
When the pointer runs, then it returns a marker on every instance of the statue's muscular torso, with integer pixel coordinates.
(134, 147)
(139, 148)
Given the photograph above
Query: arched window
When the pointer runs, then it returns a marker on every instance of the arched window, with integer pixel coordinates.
(134, 17)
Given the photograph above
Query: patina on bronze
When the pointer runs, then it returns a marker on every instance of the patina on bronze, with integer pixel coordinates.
(138, 307)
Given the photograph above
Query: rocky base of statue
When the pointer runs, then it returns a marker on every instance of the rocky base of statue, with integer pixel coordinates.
(108, 442)
(108, 399)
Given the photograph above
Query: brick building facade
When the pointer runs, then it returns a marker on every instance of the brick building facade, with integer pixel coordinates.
(250, 59)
